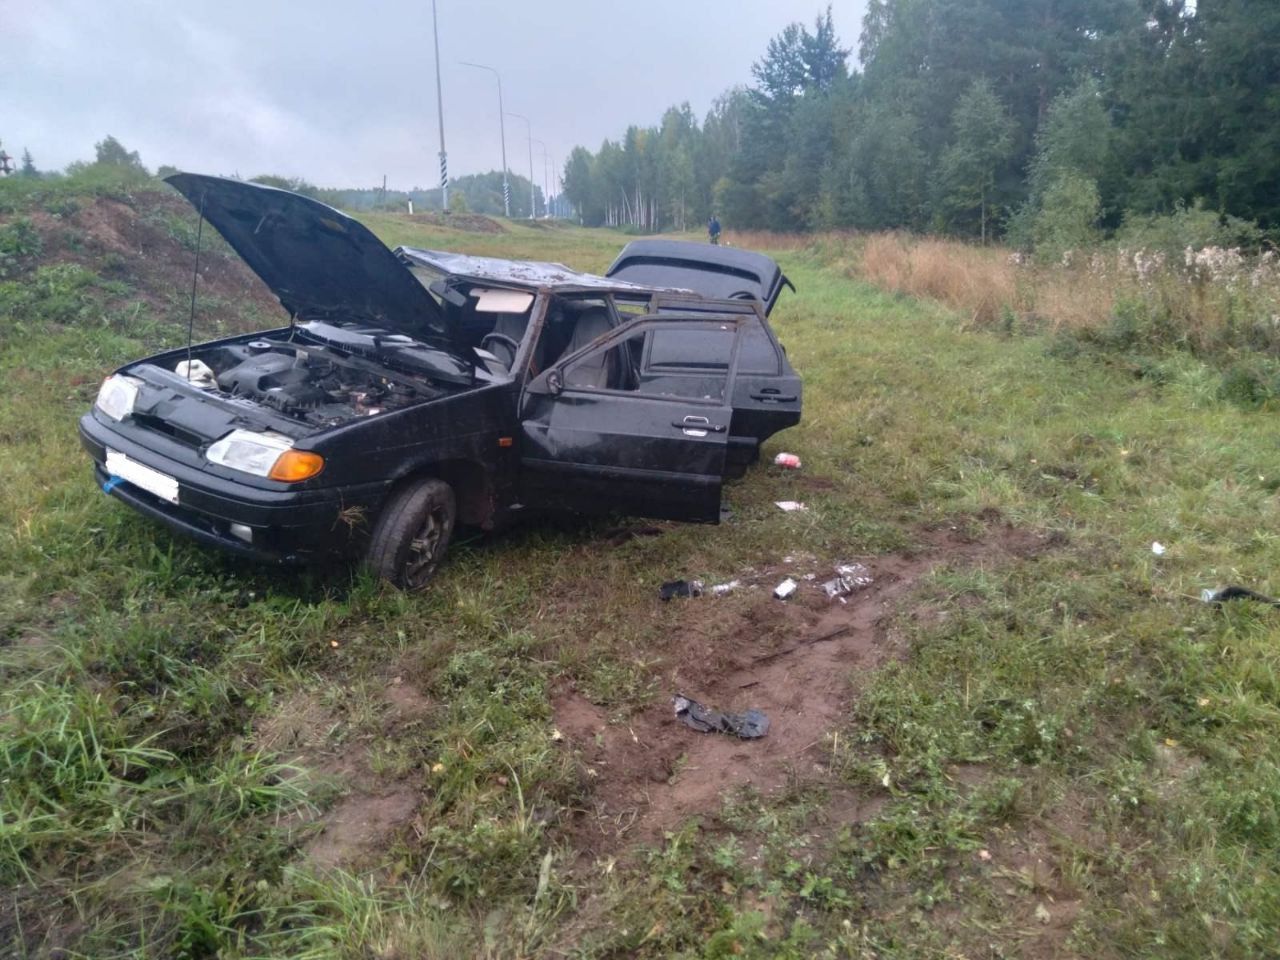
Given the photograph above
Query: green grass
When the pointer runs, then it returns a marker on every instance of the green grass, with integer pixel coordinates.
(1108, 741)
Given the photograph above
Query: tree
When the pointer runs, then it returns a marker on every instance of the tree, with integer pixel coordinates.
(797, 61)
(292, 184)
(112, 153)
(1067, 218)
(970, 167)
(28, 168)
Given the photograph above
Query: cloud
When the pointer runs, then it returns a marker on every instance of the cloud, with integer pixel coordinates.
(341, 93)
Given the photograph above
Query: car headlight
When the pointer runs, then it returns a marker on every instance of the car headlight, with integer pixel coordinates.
(268, 455)
(117, 395)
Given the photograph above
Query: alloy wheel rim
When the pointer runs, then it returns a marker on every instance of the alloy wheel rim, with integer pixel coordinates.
(424, 550)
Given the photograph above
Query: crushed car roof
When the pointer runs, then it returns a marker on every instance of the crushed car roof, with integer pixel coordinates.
(524, 273)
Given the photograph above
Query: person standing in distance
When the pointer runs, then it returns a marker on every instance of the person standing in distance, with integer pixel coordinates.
(713, 229)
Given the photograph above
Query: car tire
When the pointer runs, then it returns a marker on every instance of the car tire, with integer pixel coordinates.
(412, 534)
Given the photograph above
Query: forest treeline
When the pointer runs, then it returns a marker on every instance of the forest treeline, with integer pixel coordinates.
(1047, 122)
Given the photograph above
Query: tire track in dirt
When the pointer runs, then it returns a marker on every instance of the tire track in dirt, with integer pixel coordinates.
(651, 773)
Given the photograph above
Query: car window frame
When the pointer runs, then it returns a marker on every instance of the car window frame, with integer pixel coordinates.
(540, 385)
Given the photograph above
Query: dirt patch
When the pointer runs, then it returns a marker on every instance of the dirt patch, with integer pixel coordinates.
(798, 661)
(361, 824)
(370, 810)
(467, 222)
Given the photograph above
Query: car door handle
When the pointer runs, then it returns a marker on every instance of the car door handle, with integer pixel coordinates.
(775, 397)
(695, 426)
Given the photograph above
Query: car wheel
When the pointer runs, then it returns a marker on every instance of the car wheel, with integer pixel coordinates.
(412, 534)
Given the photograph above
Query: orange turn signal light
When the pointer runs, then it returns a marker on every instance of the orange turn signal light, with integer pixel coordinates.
(294, 465)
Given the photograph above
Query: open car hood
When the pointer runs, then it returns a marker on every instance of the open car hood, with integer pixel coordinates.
(319, 262)
(720, 273)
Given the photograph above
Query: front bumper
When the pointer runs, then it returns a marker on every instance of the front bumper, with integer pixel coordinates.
(288, 526)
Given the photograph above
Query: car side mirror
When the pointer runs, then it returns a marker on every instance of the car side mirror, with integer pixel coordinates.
(554, 383)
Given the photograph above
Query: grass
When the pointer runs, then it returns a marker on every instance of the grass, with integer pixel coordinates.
(1074, 737)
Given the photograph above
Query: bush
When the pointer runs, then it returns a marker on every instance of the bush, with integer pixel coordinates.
(1068, 216)
(1187, 227)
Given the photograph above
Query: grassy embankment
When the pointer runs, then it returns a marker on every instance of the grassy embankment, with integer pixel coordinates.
(1065, 754)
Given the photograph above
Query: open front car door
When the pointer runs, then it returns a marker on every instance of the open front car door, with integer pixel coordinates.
(636, 422)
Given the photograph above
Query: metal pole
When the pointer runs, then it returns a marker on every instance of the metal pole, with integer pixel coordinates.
(532, 201)
(555, 182)
(502, 130)
(444, 155)
(546, 184)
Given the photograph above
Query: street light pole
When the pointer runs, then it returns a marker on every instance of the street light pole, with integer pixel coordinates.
(502, 130)
(444, 156)
(529, 128)
(546, 184)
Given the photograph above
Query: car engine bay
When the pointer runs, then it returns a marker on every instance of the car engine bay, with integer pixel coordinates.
(312, 383)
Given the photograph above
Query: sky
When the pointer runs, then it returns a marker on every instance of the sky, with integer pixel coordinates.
(340, 92)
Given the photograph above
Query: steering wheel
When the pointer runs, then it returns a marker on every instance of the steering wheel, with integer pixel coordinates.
(505, 341)
(742, 295)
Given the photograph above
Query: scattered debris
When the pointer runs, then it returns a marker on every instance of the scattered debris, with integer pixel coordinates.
(749, 726)
(790, 506)
(1158, 548)
(788, 461)
(720, 589)
(1237, 593)
(785, 589)
(851, 576)
(680, 588)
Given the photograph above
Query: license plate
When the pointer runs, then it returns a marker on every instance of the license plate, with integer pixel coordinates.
(140, 475)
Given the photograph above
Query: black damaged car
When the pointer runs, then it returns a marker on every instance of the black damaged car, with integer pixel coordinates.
(415, 390)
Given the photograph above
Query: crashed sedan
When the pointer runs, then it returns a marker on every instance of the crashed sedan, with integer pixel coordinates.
(415, 390)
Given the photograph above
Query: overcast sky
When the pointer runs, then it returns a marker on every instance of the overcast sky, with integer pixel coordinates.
(342, 92)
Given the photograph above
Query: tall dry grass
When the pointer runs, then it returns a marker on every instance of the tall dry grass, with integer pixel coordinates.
(973, 281)
(1206, 300)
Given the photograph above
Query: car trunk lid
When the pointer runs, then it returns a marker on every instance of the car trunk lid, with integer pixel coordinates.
(720, 273)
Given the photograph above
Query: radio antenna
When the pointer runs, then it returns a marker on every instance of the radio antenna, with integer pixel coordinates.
(195, 275)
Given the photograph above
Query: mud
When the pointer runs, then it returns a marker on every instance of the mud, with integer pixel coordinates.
(370, 811)
(801, 662)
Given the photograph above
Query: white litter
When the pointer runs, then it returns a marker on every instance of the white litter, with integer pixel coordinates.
(785, 589)
(720, 589)
(1158, 548)
(790, 506)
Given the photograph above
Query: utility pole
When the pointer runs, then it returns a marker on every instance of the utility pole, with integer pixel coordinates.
(529, 128)
(502, 130)
(546, 182)
(444, 155)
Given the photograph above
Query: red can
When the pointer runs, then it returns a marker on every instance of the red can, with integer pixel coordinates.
(788, 461)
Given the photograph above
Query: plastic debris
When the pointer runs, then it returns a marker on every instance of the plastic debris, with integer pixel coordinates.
(1158, 548)
(1237, 593)
(750, 725)
(197, 373)
(852, 576)
(680, 588)
(720, 589)
(785, 589)
(790, 506)
(788, 461)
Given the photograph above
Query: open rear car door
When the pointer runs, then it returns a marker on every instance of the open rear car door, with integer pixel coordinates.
(636, 422)
(766, 394)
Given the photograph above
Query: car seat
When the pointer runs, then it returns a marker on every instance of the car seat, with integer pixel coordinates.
(598, 370)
